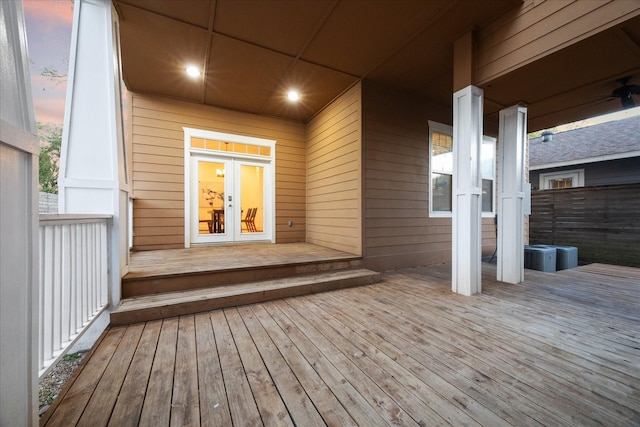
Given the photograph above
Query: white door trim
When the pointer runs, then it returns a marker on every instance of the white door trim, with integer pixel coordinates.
(226, 137)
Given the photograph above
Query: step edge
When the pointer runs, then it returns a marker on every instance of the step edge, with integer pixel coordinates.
(239, 269)
(348, 274)
(143, 316)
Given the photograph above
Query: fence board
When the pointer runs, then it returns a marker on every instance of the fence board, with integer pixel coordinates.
(603, 222)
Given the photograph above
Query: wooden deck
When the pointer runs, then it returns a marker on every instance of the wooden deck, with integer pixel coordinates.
(175, 262)
(563, 349)
(175, 270)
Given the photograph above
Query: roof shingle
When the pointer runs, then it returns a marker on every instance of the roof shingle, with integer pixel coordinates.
(605, 139)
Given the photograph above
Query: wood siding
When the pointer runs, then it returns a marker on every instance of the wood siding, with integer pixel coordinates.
(334, 184)
(397, 228)
(540, 28)
(602, 222)
(158, 167)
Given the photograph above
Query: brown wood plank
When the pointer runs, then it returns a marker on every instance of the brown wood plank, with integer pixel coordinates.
(443, 397)
(423, 343)
(156, 409)
(612, 270)
(128, 407)
(99, 409)
(552, 384)
(553, 351)
(375, 393)
(302, 410)
(214, 408)
(332, 412)
(354, 403)
(242, 405)
(185, 406)
(73, 403)
(417, 398)
(272, 409)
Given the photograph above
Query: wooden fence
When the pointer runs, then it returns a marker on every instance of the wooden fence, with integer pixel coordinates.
(73, 280)
(603, 222)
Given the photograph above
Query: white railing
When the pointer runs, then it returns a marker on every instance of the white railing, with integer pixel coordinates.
(73, 280)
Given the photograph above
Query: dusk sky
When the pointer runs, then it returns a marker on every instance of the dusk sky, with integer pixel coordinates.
(48, 25)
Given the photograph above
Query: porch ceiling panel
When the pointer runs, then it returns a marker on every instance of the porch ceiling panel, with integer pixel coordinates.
(241, 76)
(282, 25)
(195, 12)
(318, 86)
(359, 35)
(251, 51)
(156, 51)
(425, 58)
(576, 81)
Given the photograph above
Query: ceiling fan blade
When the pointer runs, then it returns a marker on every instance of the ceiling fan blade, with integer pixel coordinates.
(627, 102)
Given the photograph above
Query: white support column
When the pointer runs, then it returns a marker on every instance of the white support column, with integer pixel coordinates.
(512, 190)
(19, 255)
(467, 191)
(93, 178)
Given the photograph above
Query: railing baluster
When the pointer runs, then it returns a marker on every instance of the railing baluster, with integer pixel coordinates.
(66, 284)
(56, 324)
(73, 280)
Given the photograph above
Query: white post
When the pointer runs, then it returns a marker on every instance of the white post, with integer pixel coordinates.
(19, 256)
(467, 191)
(511, 194)
(92, 178)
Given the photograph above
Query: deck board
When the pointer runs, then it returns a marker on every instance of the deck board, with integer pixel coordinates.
(213, 408)
(560, 349)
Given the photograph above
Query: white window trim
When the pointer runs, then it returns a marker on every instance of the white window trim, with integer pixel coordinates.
(577, 176)
(448, 130)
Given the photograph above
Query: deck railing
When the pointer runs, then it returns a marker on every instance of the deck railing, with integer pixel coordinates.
(73, 280)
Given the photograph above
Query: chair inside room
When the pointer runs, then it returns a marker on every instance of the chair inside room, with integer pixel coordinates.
(249, 220)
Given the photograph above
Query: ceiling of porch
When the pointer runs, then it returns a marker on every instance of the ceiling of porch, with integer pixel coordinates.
(252, 52)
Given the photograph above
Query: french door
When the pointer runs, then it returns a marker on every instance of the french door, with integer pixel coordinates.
(230, 199)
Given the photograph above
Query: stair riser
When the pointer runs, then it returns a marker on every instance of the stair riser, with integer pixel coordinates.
(139, 287)
(154, 313)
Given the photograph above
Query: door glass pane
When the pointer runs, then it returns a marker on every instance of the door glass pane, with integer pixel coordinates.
(211, 197)
(252, 198)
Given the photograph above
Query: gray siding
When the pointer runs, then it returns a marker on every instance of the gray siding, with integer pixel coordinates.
(611, 172)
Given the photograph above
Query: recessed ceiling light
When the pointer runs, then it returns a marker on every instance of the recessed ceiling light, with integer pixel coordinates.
(192, 71)
(293, 95)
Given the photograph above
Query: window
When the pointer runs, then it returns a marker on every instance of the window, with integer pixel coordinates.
(562, 179)
(488, 170)
(441, 166)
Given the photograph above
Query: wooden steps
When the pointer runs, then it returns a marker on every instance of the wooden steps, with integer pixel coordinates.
(170, 304)
(147, 284)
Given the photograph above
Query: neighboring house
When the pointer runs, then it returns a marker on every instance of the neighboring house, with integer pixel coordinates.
(602, 154)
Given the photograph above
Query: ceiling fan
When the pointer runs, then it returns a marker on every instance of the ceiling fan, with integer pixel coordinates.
(625, 91)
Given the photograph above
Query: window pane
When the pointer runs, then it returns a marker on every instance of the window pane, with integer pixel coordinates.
(441, 152)
(441, 192)
(487, 195)
(561, 183)
(486, 160)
